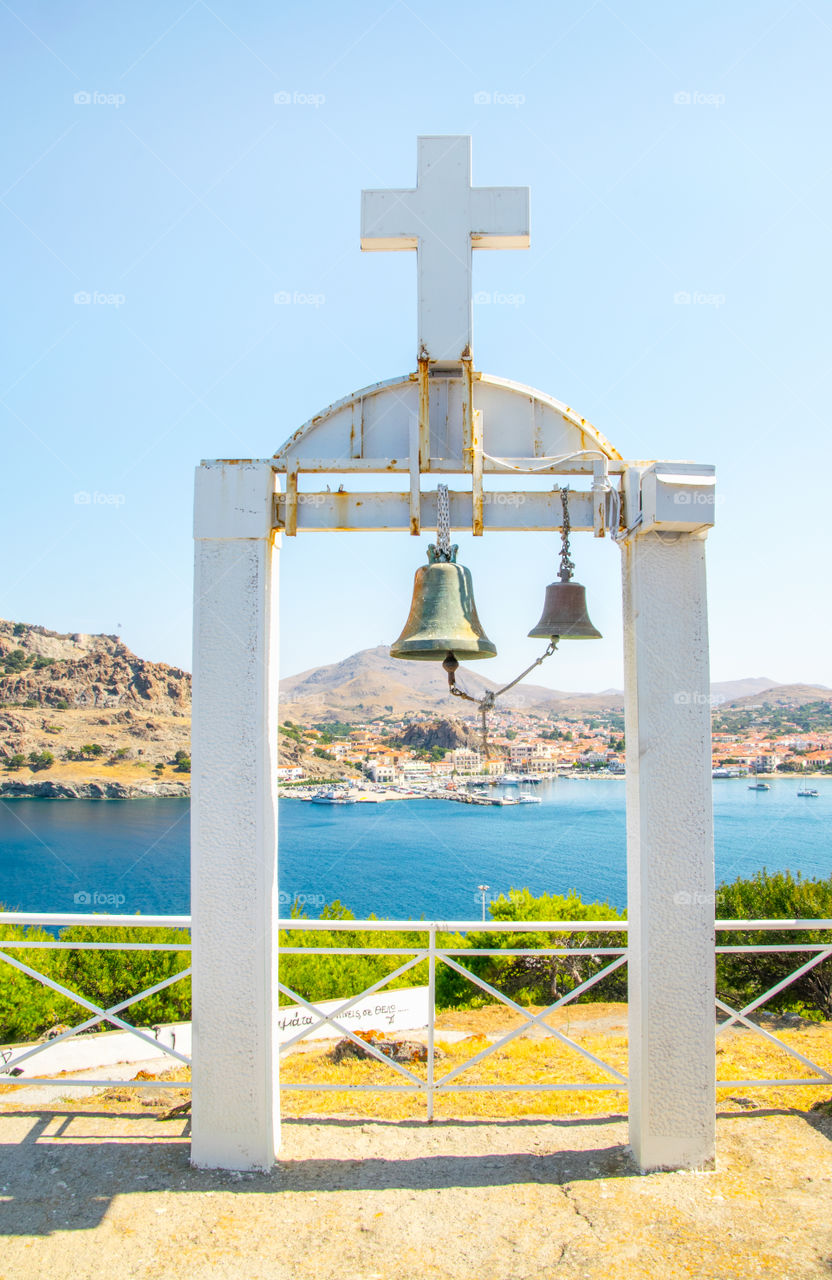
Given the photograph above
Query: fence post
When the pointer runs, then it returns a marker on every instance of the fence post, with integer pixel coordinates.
(431, 1014)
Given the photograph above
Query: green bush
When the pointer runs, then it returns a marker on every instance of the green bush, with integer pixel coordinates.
(28, 1008)
(742, 977)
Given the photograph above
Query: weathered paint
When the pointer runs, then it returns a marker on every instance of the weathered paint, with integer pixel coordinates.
(518, 422)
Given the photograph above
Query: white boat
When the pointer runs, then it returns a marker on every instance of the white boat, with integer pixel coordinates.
(808, 791)
(525, 798)
(759, 786)
(333, 797)
(509, 780)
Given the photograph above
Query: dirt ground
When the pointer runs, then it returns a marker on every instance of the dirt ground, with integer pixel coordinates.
(85, 1193)
(102, 1185)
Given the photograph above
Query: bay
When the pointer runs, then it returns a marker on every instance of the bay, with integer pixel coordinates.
(400, 859)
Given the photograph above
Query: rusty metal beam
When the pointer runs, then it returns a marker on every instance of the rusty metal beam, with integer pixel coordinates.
(502, 512)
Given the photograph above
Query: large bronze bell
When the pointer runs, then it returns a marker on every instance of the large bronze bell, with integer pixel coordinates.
(564, 614)
(443, 618)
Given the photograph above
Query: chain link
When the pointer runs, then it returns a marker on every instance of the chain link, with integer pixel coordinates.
(441, 551)
(567, 566)
(443, 521)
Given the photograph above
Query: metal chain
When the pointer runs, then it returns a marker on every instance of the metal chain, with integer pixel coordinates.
(441, 551)
(443, 522)
(485, 704)
(567, 566)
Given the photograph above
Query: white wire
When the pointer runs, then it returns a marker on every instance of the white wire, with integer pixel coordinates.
(563, 457)
(615, 533)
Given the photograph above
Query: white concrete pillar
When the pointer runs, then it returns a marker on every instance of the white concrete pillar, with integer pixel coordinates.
(236, 1111)
(670, 869)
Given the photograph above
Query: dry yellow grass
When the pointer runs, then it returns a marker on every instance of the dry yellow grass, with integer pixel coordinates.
(534, 1059)
(540, 1059)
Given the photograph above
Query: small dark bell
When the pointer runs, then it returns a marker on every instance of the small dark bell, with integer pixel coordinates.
(564, 614)
(443, 618)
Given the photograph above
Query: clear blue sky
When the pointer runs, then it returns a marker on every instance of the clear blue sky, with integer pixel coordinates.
(197, 197)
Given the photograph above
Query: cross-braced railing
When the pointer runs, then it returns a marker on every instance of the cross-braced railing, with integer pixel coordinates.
(11, 1061)
(818, 952)
(434, 952)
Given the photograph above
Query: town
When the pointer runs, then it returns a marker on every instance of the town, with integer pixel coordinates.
(426, 752)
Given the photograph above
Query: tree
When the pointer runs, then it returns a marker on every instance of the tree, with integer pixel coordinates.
(15, 661)
(92, 749)
(16, 761)
(543, 979)
(40, 760)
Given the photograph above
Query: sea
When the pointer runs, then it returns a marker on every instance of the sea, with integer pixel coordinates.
(404, 859)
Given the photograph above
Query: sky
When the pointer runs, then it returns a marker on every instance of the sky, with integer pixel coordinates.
(179, 165)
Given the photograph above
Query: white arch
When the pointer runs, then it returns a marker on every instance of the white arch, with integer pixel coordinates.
(373, 429)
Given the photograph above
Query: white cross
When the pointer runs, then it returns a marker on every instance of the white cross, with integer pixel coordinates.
(443, 220)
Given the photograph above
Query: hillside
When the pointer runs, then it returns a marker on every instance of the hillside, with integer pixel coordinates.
(370, 683)
(115, 723)
(112, 721)
(49, 669)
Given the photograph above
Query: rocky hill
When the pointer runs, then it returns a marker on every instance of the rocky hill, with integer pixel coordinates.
(445, 734)
(49, 669)
(114, 725)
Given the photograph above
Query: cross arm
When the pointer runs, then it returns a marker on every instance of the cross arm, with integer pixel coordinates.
(500, 217)
(387, 220)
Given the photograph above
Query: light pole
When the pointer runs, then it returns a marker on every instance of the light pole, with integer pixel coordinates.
(482, 890)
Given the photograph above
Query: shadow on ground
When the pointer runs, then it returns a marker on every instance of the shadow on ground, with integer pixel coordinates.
(65, 1169)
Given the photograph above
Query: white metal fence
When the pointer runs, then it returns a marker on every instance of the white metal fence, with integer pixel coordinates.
(433, 952)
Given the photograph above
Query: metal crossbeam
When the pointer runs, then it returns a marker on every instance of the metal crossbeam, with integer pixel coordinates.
(741, 1016)
(102, 1014)
(363, 1044)
(533, 1019)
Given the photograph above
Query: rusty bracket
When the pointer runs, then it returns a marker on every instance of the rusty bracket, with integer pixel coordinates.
(600, 489)
(415, 477)
(476, 474)
(467, 404)
(290, 527)
(424, 414)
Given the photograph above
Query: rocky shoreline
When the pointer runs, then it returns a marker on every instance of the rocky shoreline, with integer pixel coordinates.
(46, 790)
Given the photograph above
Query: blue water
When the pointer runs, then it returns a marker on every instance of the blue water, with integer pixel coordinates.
(399, 859)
